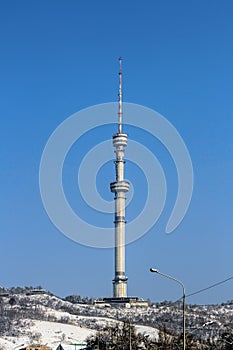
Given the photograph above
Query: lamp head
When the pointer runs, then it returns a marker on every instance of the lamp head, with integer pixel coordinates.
(153, 270)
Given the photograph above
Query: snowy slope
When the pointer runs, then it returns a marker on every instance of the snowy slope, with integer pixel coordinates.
(52, 334)
(55, 333)
(47, 319)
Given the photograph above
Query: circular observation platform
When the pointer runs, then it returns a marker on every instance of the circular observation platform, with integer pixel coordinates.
(120, 140)
(119, 186)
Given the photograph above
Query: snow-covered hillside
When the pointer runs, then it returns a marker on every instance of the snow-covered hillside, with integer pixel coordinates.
(47, 319)
(50, 333)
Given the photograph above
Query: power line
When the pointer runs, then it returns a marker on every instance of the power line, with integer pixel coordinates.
(212, 286)
(209, 287)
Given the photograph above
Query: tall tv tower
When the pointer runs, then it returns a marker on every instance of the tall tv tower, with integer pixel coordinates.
(119, 188)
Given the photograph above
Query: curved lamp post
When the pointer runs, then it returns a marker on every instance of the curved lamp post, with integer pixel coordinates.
(184, 297)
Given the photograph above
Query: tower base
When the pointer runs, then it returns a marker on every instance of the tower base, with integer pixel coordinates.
(121, 302)
(120, 287)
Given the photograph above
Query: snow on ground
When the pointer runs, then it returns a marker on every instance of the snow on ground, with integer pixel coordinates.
(55, 333)
(10, 343)
(52, 334)
(152, 332)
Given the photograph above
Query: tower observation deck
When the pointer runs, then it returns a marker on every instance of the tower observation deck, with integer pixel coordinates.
(119, 187)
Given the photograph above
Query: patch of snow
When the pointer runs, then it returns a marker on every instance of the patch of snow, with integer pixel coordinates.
(52, 334)
(146, 330)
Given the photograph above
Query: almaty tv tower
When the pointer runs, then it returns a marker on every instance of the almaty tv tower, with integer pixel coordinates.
(120, 187)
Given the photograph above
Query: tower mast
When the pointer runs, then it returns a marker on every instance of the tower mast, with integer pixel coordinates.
(120, 111)
(119, 187)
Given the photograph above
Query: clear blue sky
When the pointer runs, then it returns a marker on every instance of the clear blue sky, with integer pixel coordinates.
(58, 57)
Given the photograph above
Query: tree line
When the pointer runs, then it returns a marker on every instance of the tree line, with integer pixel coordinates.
(123, 336)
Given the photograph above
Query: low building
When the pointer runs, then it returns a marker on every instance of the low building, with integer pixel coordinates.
(123, 302)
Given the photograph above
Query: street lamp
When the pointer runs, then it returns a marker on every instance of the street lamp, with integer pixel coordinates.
(184, 297)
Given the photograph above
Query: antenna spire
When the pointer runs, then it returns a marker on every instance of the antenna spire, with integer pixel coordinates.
(120, 111)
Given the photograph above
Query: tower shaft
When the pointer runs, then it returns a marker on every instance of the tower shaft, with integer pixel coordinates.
(119, 187)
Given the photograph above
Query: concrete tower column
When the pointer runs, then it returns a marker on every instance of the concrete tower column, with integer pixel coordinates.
(119, 187)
